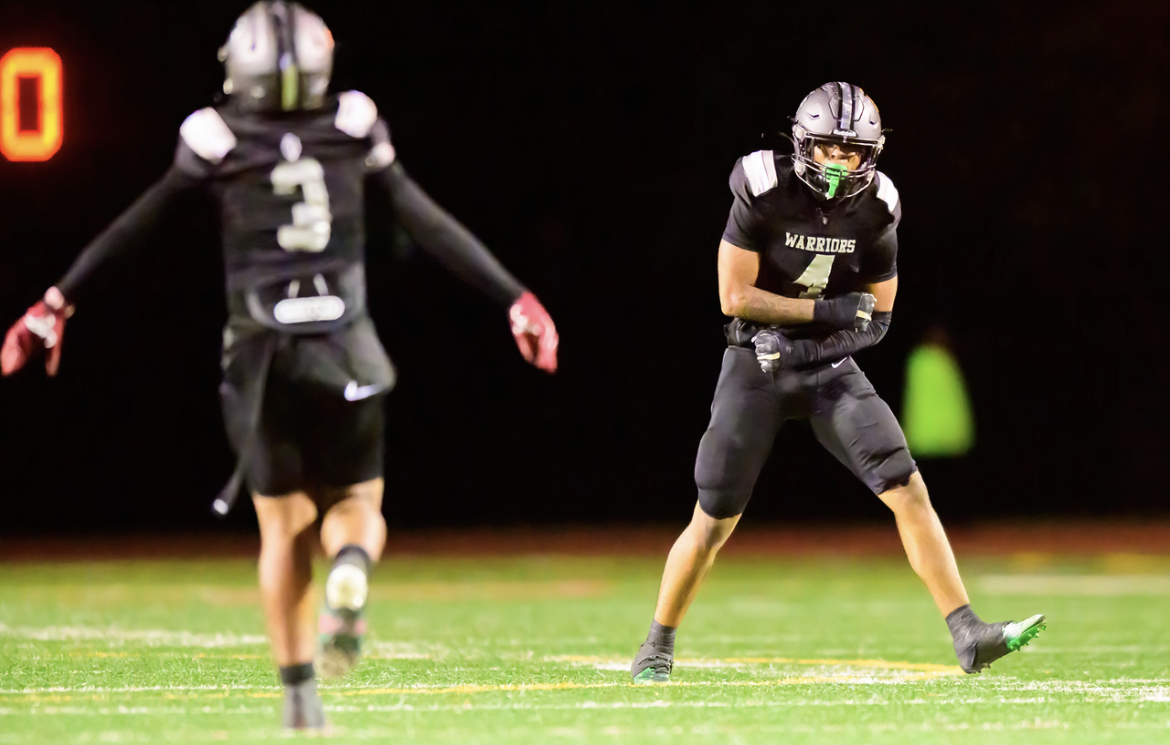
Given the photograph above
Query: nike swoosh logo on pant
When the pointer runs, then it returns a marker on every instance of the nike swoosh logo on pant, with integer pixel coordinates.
(355, 392)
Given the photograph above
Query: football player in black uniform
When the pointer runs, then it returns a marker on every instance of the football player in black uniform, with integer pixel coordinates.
(304, 372)
(807, 271)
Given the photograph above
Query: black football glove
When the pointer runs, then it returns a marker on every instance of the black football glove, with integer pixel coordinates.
(774, 350)
(848, 312)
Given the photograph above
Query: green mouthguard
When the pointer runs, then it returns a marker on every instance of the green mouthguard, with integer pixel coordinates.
(833, 175)
(289, 83)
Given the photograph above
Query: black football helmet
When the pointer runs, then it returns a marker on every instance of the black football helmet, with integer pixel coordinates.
(278, 57)
(837, 114)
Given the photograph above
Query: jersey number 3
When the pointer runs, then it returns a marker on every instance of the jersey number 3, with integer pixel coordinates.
(816, 275)
(312, 223)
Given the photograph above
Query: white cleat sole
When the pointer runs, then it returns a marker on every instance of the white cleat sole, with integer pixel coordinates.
(347, 588)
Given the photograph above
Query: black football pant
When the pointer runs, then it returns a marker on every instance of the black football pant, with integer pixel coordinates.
(305, 411)
(837, 401)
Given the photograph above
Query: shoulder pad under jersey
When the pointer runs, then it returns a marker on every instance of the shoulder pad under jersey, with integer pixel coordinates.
(886, 191)
(206, 133)
(760, 169)
(356, 114)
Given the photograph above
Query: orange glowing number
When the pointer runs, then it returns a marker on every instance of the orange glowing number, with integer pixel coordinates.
(41, 143)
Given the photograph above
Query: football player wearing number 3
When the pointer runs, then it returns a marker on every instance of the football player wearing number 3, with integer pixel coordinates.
(304, 372)
(807, 271)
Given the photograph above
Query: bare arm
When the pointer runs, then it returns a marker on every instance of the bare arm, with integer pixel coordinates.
(883, 294)
(739, 297)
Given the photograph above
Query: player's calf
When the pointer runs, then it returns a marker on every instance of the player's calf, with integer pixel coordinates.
(341, 625)
(978, 644)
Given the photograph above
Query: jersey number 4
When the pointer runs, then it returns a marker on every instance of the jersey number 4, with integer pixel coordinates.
(312, 223)
(816, 275)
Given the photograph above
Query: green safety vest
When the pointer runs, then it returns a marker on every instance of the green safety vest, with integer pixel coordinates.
(936, 413)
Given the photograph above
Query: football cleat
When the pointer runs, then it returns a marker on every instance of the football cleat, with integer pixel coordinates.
(651, 665)
(302, 707)
(979, 644)
(341, 626)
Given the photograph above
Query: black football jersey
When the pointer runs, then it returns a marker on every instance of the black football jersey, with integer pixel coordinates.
(290, 187)
(810, 248)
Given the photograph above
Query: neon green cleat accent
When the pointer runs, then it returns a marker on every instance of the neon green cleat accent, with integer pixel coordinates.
(652, 664)
(1017, 634)
(651, 675)
(978, 644)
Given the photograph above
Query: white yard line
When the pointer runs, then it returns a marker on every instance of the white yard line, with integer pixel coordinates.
(135, 689)
(581, 706)
(171, 638)
(150, 637)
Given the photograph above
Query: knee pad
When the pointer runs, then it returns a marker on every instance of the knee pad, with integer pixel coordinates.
(723, 503)
(894, 470)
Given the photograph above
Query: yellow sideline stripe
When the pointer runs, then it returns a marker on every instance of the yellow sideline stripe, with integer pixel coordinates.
(498, 688)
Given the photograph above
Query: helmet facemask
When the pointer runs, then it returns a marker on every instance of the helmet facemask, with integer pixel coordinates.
(839, 126)
(834, 180)
(279, 57)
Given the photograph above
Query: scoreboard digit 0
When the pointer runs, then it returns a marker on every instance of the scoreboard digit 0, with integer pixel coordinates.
(18, 140)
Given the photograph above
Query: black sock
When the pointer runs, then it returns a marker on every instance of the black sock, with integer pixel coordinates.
(351, 553)
(961, 617)
(293, 675)
(661, 636)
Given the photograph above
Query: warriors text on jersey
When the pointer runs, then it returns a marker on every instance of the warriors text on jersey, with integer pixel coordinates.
(810, 248)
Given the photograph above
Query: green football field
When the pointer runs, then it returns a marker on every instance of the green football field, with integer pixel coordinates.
(536, 649)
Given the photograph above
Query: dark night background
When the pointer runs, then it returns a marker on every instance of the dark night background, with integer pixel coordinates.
(589, 145)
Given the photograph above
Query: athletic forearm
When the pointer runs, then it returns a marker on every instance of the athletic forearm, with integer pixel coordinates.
(766, 308)
(838, 346)
(441, 235)
(125, 233)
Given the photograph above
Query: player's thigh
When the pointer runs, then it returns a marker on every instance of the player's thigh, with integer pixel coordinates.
(745, 417)
(859, 429)
(358, 499)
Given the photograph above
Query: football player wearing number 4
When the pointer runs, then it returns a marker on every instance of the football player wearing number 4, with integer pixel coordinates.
(807, 270)
(304, 372)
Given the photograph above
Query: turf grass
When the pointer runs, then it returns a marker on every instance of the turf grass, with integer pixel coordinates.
(536, 650)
